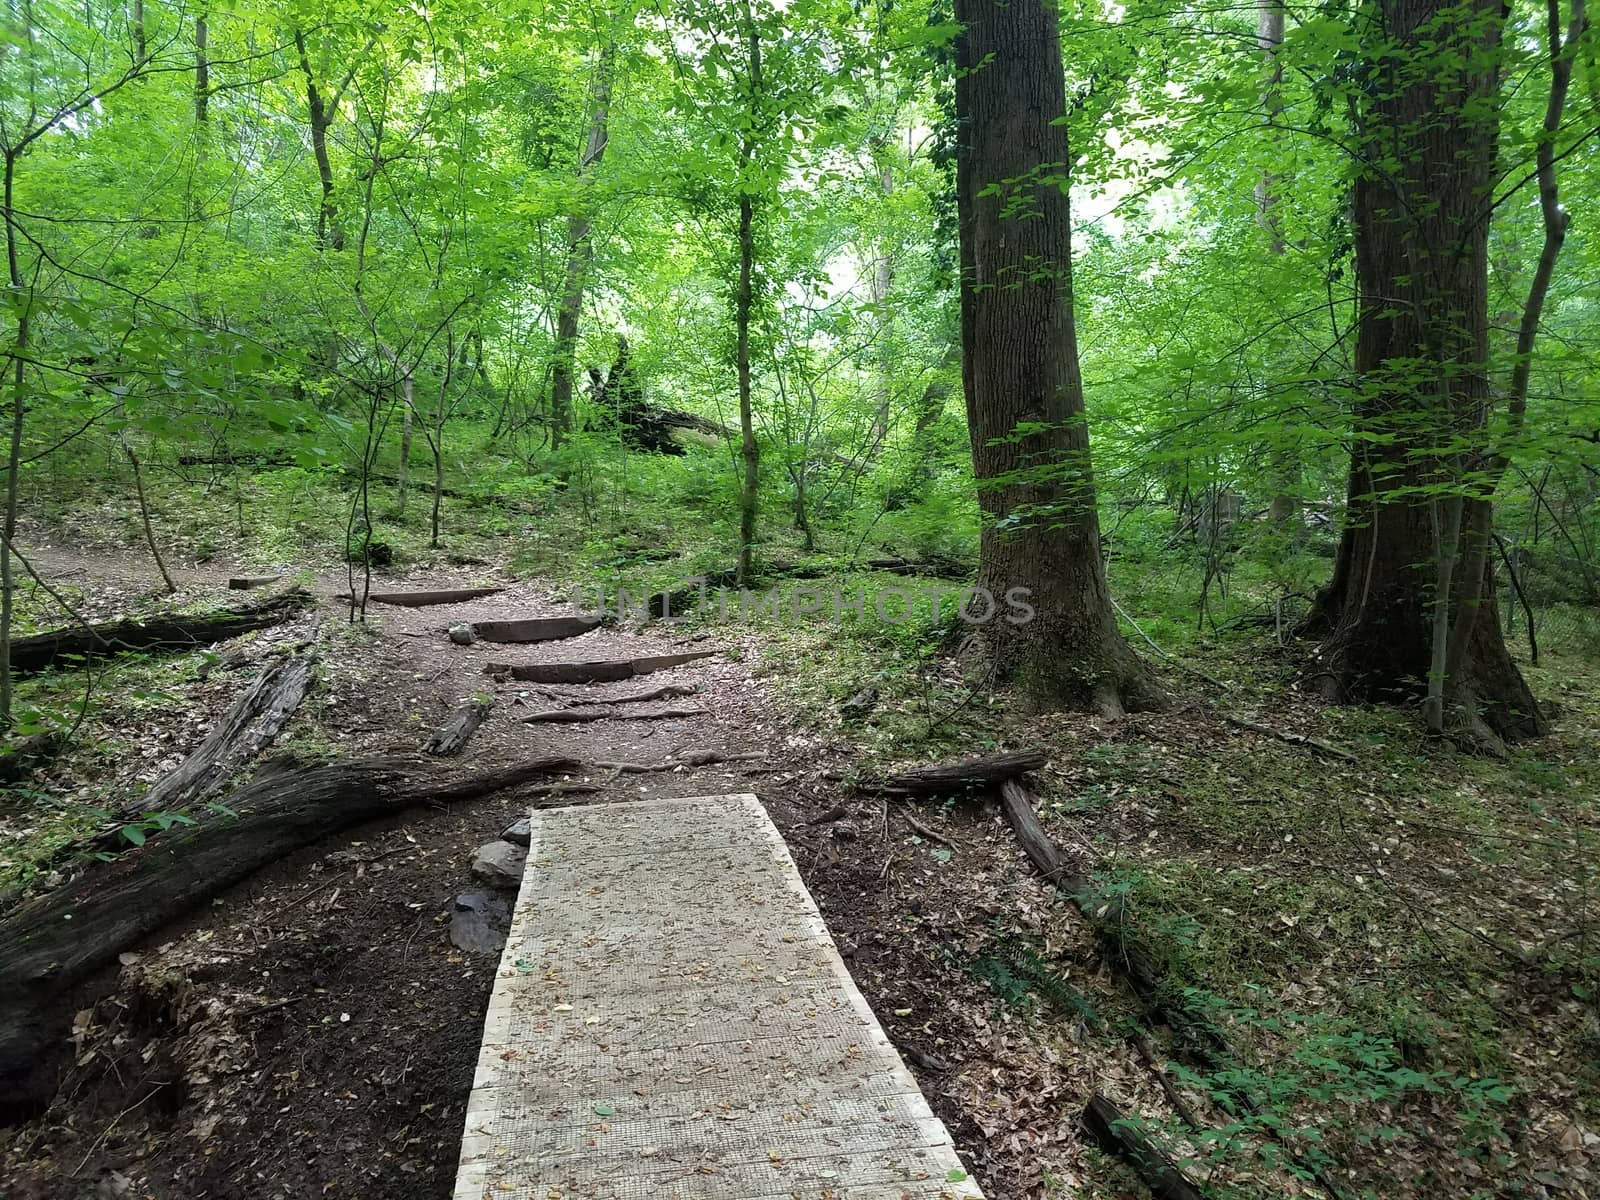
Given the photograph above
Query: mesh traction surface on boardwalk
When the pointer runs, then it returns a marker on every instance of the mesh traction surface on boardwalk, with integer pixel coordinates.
(671, 1020)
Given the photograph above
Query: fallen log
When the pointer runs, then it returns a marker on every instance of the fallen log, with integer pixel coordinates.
(1114, 1133)
(425, 599)
(51, 943)
(26, 753)
(178, 631)
(605, 712)
(1104, 913)
(243, 583)
(534, 629)
(244, 732)
(931, 568)
(598, 671)
(452, 737)
(981, 771)
(665, 692)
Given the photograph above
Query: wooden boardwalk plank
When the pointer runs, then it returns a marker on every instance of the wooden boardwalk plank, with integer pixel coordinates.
(672, 1021)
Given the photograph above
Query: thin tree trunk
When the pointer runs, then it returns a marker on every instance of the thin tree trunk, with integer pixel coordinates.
(436, 442)
(144, 516)
(1284, 511)
(19, 408)
(140, 52)
(882, 282)
(202, 71)
(580, 252)
(1446, 544)
(1041, 534)
(408, 409)
(749, 451)
(321, 112)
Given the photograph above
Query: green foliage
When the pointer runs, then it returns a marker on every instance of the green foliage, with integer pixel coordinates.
(1279, 1113)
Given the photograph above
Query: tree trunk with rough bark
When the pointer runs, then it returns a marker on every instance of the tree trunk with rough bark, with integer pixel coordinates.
(1025, 407)
(1422, 349)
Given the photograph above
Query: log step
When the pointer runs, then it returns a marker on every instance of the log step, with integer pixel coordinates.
(243, 583)
(534, 629)
(584, 713)
(597, 671)
(424, 599)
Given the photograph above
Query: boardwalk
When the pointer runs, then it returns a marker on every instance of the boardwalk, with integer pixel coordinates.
(672, 1020)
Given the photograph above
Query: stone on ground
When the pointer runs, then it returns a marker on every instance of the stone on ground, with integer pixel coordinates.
(499, 864)
(479, 921)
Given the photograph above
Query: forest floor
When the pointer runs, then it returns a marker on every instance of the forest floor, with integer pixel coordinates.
(1403, 942)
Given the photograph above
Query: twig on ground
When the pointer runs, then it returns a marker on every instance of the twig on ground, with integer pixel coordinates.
(922, 830)
(1294, 739)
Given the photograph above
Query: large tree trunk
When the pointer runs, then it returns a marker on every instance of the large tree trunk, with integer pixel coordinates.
(1430, 127)
(1030, 445)
(580, 253)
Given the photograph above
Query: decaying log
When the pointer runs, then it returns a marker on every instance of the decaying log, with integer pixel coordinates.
(597, 671)
(178, 631)
(244, 732)
(453, 735)
(665, 692)
(534, 629)
(424, 599)
(22, 755)
(604, 712)
(55, 941)
(982, 771)
(1105, 1123)
(684, 758)
(1294, 739)
(1104, 913)
(243, 583)
(937, 567)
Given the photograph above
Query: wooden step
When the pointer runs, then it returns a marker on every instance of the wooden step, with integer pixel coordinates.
(594, 671)
(533, 629)
(424, 599)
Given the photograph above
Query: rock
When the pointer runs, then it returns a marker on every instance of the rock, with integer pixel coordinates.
(518, 833)
(461, 633)
(479, 922)
(860, 705)
(499, 864)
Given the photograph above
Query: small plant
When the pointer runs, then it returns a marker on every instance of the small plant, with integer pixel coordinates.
(1015, 969)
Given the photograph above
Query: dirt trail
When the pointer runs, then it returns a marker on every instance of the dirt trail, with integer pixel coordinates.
(315, 1032)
